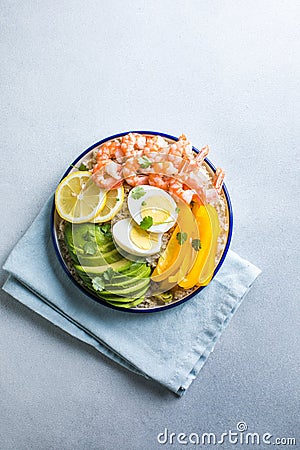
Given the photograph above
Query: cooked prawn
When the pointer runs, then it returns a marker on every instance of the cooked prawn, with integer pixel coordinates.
(182, 148)
(218, 179)
(155, 144)
(107, 174)
(202, 154)
(109, 150)
(137, 180)
(131, 172)
(176, 188)
(132, 144)
(159, 181)
(164, 167)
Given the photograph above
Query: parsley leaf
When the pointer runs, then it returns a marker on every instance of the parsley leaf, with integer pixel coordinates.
(144, 203)
(88, 235)
(138, 192)
(108, 274)
(146, 223)
(105, 228)
(144, 162)
(181, 237)
(177, 210)
(196, 244)
(98, 284)
(82, 167)
(90, 248)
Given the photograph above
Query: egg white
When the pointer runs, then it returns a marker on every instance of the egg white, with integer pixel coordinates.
(121, 234)
(135, 207)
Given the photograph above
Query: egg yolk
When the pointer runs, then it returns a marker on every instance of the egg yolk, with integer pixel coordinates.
(142, 238)
(158, 208)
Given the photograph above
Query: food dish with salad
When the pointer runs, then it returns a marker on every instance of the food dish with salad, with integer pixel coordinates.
(142, 221)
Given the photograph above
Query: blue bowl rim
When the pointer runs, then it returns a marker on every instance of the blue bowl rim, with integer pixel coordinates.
(136, 310)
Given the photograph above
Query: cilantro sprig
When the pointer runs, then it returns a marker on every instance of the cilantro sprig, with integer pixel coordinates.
(181, 237)
(108, 274)
(82, 167)
(90, 248)
(106, 229)
(196, 244)
(144, 162)
(98, 284)
(138, 192)
(146, 223)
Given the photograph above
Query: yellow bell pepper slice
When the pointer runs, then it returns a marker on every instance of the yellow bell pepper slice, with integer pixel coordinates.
(203, 220)
(172, 258)
(209, 268)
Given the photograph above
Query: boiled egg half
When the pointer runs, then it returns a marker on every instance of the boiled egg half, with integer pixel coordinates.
(132, 239)
(150, 201)
(152, 205)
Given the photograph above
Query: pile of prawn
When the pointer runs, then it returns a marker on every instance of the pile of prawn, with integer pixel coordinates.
(140, 160)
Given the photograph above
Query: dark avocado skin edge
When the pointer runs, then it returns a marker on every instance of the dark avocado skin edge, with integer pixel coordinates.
(129, 304)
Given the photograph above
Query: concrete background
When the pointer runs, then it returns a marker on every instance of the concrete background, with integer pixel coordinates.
(224, 72)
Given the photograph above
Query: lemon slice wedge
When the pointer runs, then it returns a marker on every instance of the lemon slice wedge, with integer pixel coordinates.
(78, 199)
(113, 204)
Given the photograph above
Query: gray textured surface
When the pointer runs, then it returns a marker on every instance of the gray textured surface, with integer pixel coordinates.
(224, 72)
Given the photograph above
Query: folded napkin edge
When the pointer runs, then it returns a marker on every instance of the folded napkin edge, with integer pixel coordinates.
(14, 287)
(213, 339)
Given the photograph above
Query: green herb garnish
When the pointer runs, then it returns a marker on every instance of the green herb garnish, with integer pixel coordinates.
(90, 248)
(82, 167)
(98, 284)
(181, 237)
(146, 223)
(177, 210)
(108, 274)
(144, 162)
(105, 228)
(138, 192)
(196, 244)
(144, 203)
(88, 236)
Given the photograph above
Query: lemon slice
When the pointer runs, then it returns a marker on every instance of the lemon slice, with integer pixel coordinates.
(113, 204)
(78, 199)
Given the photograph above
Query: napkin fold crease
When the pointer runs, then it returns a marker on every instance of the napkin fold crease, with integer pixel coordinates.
(170, 346)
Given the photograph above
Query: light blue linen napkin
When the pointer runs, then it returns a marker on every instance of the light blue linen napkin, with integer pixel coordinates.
(170, 346)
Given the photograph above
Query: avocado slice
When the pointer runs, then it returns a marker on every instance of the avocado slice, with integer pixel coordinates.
(123, 281)
(100, 259)
(118, 283)
(138, 272)
(137, 286)
(118, 266)
(77, 236)
(105, 295)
